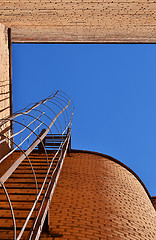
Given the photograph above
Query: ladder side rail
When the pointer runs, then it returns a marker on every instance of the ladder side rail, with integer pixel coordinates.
(39, 194)
(34, 235)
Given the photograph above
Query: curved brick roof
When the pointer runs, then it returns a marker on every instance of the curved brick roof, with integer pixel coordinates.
(97, 197)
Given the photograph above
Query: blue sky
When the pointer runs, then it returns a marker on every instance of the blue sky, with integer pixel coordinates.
(113, 87)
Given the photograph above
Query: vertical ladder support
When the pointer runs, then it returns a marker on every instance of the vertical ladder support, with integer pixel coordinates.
(69, 145)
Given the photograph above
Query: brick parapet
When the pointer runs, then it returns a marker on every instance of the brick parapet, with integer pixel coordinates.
(80, 21)
(97, 198)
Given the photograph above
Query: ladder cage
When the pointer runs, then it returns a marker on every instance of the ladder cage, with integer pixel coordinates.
(29, 171)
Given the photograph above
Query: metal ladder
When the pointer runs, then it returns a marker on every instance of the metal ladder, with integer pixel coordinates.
(29, 172)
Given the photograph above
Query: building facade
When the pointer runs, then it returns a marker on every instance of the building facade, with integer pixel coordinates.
(97, 197)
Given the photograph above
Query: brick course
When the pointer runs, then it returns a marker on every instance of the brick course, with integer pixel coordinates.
(97, 198)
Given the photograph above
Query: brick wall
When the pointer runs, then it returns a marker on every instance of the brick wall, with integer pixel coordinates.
(80, 20)
(4, 87)
(97, 198)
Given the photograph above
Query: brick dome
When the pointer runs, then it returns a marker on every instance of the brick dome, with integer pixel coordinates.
(97, 197)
